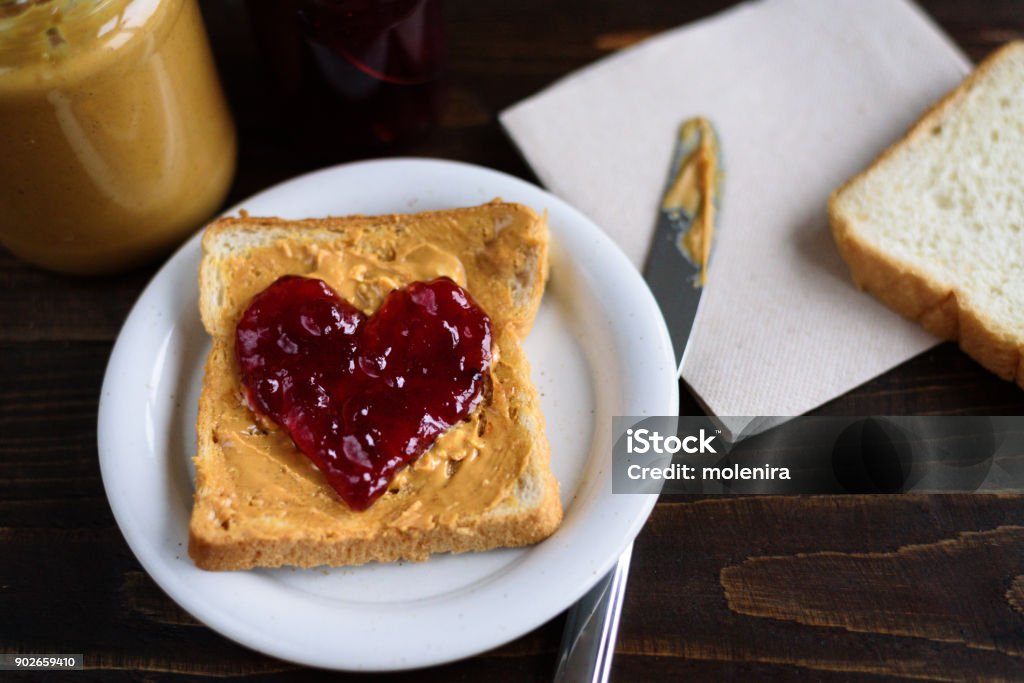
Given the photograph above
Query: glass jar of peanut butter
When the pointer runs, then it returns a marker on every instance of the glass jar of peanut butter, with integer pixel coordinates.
(115, 138)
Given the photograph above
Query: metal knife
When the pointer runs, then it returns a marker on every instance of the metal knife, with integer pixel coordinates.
(675, 271)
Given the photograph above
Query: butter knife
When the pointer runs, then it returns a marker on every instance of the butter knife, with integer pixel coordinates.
(676, 271)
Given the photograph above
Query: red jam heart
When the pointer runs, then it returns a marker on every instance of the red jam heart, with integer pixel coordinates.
(362, 397)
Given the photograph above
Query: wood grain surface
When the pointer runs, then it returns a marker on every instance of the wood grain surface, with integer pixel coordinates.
(802, 588)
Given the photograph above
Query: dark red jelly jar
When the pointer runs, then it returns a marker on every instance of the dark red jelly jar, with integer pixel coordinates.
(354, 74)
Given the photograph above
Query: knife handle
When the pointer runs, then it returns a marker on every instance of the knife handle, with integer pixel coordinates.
(588, 642)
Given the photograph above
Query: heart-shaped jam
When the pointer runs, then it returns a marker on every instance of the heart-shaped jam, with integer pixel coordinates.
(363, 396)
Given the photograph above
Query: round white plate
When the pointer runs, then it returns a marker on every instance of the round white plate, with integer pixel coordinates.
(599, 348)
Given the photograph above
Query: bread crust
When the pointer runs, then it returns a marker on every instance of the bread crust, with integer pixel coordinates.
(417, 545)
(533, 510)
(936, 305)
(529, 269)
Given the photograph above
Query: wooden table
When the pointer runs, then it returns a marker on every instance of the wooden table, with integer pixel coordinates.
(822, 588)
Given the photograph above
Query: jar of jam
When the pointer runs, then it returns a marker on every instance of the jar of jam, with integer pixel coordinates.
(116, 139)
(355, 76)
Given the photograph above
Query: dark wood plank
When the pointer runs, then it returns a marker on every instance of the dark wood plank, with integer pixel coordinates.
(910, 586)
(940, 595)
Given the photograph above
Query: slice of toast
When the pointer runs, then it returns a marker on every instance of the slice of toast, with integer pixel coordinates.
(935, 226)
(485, 483)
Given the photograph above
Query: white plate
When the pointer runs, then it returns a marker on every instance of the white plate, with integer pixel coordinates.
(599, 348)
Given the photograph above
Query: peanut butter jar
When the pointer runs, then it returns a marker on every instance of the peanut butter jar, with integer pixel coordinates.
(115, 138)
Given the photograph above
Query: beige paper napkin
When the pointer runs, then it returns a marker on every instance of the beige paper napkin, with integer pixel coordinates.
(804, 93)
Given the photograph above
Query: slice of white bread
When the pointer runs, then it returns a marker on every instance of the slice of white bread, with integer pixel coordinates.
(935, 226)
(260, 502)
